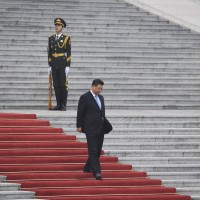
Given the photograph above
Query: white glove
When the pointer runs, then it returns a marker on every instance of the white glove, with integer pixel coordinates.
(49, 70)
(66, 70)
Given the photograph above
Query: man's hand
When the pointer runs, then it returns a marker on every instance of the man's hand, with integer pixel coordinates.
(49, 70)
(66, 70)
(79, 129)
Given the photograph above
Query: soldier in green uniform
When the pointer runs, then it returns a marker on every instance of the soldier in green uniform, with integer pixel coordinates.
(59, 59)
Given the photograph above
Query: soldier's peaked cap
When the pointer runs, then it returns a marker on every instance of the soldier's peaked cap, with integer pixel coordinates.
(60, 21)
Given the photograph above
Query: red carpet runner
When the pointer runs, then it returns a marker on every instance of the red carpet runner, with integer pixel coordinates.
(46, 161)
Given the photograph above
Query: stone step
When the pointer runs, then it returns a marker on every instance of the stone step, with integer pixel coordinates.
(135, 137)
(43, 50)
(102, 37)
(84, 70)
(74, 2)
(127, 116)
(74, 100)
(101, 64)
(16, 195)
(182, 183)
(40, 74)
(132, 64)
(142, 29)
(71, 6)
(106, 42)
(108, 45)
(148, 144)
(9, 186)
(97, 25)
(195, 191)
(175, 175)
(132, 83)
(2, 178)
(5, 98)
(109, 58)
(168, 168)
(130, 117)
(110, 104)
(152, 91)
(139, 81)
(156, 161)
(138, 85)
(160, 124)
(37, 106)
(81, 35)
(93, 22)
(153, 153)
(111, 53)
(87, 21)
(71, 12)
(143, 131)
(73, 96)
(13, 16)
(43, 8)
(98, 28)
(77, 74)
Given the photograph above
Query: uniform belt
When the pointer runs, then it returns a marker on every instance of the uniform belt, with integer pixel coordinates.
(55, 55)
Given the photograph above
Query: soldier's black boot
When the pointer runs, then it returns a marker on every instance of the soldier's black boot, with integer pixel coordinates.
(63, 108)
(58, 107)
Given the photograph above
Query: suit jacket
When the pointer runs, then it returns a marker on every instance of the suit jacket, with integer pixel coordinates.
(89, 115)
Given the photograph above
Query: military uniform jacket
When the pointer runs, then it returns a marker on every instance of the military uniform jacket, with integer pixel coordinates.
(59, 51)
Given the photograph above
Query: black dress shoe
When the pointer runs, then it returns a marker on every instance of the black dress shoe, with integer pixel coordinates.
(58, 107)
(98, 176)
(63, 108)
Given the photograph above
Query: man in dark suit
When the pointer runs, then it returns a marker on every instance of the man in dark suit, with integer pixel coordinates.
(59, 59)
(90, 121)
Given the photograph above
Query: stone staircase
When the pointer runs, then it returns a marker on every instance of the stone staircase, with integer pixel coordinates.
(149, 66)
(163, 143)
(146, 62)
(12, 191)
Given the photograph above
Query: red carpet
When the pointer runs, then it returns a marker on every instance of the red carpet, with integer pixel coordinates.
(45, 160)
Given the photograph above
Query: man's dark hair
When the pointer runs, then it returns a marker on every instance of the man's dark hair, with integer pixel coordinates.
(96, 82)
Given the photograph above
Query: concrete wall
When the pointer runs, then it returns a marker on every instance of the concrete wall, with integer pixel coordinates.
(183, 12)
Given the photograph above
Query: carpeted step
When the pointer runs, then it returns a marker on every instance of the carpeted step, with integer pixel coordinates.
(43, 152)
(32, 138)
(50, 159)
(38, 176)
(61, 167)
(29, 130)
(103, 191)
(17, 116)
(56, 172)
(9, 186)
(43, 144)
(126, 197)
(89, 183)
(23, 123)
